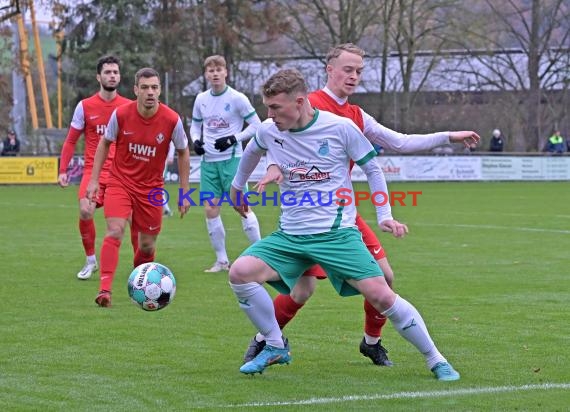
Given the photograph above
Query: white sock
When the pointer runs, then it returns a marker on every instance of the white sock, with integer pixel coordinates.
(251, 227)
(409, 323)
(217, 235)
(91, 259)
(371, 340)
(166, 208)
(258, 306)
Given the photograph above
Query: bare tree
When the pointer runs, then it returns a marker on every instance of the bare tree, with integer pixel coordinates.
(521, 47)
(6, 67)
(317, 25)
(419, 34)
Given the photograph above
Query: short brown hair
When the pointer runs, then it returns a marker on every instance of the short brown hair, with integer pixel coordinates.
(107, 60)
(147, 73)
(335, 51)
(215, 60)
(284, 81)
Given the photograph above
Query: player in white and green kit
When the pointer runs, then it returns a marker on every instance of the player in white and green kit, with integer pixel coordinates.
(313, 149)
(218, 118)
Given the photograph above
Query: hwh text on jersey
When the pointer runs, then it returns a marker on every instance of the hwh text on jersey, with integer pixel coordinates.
(142, 149)
(101, 128)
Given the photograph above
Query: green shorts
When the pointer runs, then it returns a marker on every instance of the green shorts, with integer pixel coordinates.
(216, 177)
(341, 253)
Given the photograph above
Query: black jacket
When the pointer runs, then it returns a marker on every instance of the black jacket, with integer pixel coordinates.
(496, 144)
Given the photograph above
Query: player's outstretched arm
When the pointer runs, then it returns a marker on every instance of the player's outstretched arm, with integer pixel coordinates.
(398, 142)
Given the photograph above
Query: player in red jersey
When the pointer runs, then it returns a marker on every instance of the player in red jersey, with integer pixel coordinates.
(90, 119)
(142, 131)
(344, 68)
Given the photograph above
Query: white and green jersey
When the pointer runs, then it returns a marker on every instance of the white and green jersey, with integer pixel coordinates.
(316, 193)
(219, 115)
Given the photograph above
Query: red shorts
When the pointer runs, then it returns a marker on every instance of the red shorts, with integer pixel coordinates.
(102, 187)
(122, 203)
(368, 237)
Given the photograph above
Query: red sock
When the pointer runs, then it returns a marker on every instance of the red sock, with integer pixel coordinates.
(142, 257)
(373, 320)
(87, 230)
(285, 309)
(109, 261)
(134, 240)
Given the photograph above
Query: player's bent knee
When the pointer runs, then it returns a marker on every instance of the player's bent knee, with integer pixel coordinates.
(115, 230)
(249, 269)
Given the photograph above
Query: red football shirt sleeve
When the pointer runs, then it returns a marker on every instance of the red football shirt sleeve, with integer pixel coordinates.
(68, 148)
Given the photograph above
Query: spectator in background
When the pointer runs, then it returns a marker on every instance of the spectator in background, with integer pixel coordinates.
(555, 143)
(11, 144)
(568, 144)
(497, 141)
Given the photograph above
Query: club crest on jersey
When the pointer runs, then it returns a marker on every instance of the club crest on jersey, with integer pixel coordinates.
(160, 138)
(302, 174)
(227, 107)
(324, 148)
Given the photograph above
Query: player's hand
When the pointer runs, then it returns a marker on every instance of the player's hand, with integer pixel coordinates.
(239, 202)
(393, 226)
(184, 208)
(63, 180)
(91, 192)
(468, 138)
(224, 143)
(198, 147)
(273, 174)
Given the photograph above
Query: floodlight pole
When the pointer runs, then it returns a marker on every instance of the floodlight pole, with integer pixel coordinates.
(41, 70)
(25, 65)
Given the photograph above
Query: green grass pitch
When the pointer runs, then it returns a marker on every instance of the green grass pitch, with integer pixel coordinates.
(485, 263)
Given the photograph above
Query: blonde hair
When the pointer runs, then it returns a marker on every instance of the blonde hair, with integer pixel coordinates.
(335, 51)
(215, 60)
(284, 81)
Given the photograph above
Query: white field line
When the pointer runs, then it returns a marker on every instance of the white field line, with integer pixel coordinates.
(408, 395)
(496, 227)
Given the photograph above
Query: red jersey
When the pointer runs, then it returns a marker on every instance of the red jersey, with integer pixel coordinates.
(142, 145)
(90, 117)
(322, 101)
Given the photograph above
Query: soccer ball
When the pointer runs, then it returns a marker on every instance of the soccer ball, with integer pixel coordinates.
(151, 286)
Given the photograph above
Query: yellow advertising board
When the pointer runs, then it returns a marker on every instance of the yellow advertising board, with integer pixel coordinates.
(16, 170)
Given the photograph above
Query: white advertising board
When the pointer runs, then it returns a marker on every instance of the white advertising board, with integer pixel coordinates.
(440, 168)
